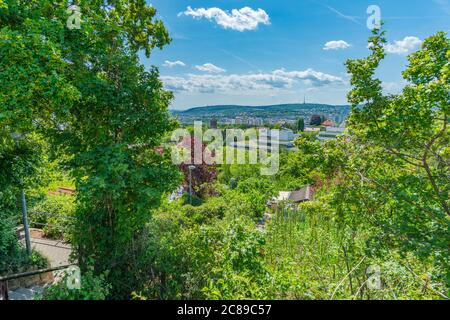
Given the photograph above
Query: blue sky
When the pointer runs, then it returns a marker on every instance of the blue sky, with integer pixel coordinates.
(279, 51)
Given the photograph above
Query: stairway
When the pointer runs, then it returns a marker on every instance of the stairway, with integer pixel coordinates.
(25, 293)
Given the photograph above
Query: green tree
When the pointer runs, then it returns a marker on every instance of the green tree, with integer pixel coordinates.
(301, 124)
(19, 161)
(385, 185)
(403, 140)
(86, 89)
(32, 87)
(316, 120)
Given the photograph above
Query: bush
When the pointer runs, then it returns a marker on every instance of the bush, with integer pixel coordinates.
(256, 192)
(236, 269)
(195, 201)
(18, 161)
(208, 252)
(92, 288)
(17, 260)
(56, 211)
(9, 246)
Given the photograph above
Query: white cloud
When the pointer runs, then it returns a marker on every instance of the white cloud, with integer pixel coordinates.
(171, 64)
(239, 19)
(310, 77)
(405, 46)
(336, 45)
(209, 67)
(242, 83)
(226, 83)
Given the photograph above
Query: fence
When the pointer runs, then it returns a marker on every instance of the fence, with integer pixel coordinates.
(41, 220)
(25, 236)
(4, 290)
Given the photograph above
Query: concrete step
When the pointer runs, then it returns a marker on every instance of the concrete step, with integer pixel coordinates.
(26, 293)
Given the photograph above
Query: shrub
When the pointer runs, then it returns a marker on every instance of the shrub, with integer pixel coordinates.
(18, 162)
(237, 269)
(207, 252)
(9, 246)
(56, 211)
(92, 288)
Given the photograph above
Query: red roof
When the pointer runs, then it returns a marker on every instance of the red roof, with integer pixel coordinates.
(328, 123)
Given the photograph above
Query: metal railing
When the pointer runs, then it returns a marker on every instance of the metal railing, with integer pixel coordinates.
(4, 292)
(25, 229)
(67, 220)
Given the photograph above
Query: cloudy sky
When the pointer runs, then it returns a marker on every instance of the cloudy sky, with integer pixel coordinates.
(279, 51)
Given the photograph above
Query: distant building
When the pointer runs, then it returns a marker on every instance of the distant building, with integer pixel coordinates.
(312, 129)
(287, 136)
(302, 195)
(285, 140)
(213, 124)
(337, 130)
(331, 133)
(255, 121)
(328, 123)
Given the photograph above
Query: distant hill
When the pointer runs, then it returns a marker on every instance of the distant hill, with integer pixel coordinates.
(235, 109)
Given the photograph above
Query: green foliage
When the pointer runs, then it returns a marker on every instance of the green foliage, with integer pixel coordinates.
(83, 96)
(31, 91)
(18, 161)
(57, 213)
(403, 151)
(8, 243)
(238, 271)
(300, 124)
(14, 258)
(383, 192)
(304, 252)
(256, 192)
(208, 252)
(237, 172)
(92, 288)
(311, 254)
(87, 91)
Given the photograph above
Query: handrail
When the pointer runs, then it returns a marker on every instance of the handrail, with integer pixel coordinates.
(35, 272)
(46, 225)
(51, 215)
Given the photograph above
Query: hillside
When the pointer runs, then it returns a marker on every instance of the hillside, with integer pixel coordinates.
(236, 109)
